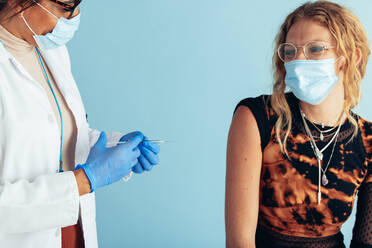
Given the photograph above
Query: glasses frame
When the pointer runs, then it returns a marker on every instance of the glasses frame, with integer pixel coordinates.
(326, 48)
(68, 7)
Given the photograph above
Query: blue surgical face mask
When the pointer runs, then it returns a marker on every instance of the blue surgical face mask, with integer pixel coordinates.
(61, 34)
(311, 80)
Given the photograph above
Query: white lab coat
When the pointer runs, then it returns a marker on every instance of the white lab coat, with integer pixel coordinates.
(35, 200)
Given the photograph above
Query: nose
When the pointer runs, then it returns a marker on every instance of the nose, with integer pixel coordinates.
(300, 54)
(75, 13)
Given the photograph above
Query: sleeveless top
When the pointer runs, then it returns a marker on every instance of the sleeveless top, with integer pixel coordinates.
(289, 185)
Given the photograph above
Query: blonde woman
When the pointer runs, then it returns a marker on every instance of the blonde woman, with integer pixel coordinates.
(296, 159)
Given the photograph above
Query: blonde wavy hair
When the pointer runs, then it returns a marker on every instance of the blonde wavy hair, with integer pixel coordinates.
(350, 36)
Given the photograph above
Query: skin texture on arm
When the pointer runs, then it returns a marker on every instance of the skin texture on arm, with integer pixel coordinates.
(243, 161)
(82, 182)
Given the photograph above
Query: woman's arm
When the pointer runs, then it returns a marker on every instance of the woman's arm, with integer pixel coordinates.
(82, 182)
(244, 160)
(362, 231)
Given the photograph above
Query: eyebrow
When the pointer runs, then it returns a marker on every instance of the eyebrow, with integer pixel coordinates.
(321, 40)
(69, 1)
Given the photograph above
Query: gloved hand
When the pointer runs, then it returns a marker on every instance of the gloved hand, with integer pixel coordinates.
(149, 155)
(107, 165)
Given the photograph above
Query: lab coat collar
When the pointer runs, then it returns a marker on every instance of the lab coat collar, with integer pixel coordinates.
(52, 58)
(4, 53)
(59, 69)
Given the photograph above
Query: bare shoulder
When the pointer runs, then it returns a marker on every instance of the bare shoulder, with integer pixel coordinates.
(244, 155)
(244, 127)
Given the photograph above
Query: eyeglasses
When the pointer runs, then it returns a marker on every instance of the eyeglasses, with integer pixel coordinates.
(68, 6)
(313, 50)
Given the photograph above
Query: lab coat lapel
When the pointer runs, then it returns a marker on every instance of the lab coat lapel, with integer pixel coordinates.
(4, 54)
(59, 65)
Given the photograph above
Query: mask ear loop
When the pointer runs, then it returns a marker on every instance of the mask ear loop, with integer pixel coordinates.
(336, 63)
(28, 26)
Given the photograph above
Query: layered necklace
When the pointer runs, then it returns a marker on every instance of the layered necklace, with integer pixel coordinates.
(322, 178)
(323, 133)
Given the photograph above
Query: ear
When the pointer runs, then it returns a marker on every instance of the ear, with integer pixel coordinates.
(358, 53)
(341, 64)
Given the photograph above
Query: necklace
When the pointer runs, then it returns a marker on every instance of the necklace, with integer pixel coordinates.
(322, 137)
(319, 153)
(324, 177)
(321, 132)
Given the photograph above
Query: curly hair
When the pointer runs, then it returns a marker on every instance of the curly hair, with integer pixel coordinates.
(350, 36)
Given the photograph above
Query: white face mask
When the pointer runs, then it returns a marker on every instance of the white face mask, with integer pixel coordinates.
(60, 35)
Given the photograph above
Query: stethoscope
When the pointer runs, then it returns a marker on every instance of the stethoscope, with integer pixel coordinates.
(59, 110)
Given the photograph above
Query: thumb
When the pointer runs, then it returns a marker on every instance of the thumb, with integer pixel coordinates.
(101, 142)
(134, 141)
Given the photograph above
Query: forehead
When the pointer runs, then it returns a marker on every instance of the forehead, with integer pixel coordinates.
(304, 30)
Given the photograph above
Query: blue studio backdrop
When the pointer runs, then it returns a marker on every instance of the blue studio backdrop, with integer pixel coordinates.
(175, 70)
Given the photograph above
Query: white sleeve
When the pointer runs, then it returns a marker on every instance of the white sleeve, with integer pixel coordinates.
(112, 137)
(49, 201)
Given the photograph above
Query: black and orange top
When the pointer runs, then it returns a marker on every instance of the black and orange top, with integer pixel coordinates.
(289, 185)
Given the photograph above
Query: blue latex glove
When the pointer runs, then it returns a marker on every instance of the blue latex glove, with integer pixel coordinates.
(107, 165)
(149, 155)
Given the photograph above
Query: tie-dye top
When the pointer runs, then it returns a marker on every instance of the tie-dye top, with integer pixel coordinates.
(289, 187)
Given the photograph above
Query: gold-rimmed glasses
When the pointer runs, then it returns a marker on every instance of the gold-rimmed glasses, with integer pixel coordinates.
(314, 50)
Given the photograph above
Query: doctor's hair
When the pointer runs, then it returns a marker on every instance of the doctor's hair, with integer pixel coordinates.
(7, 5)
(350, 36)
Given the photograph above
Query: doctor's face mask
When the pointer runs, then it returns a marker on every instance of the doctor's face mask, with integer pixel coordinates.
(62, 33)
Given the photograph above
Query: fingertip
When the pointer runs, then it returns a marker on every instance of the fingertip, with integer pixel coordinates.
(137, 169)
(140, 135)
(138, 138)
(102, 140)
(156, 148)
(155, 160)
(130, 136)
(102, 134)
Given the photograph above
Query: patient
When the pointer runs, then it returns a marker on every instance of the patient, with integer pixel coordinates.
(297, 158)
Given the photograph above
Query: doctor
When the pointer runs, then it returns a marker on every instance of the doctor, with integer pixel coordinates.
(51, 162)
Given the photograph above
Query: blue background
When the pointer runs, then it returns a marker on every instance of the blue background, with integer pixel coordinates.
(175, 70)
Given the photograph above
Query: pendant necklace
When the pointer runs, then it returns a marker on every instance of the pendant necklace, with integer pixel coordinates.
(322, 133)
(322, 178)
